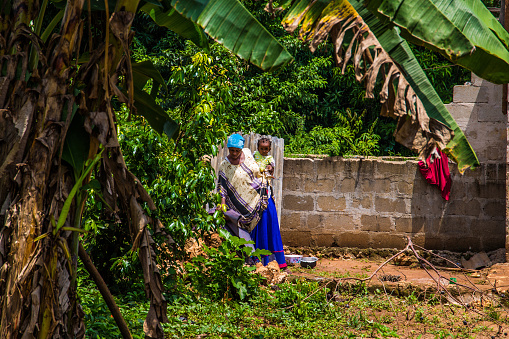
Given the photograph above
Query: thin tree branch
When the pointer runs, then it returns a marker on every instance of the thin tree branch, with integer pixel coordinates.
(105, 292)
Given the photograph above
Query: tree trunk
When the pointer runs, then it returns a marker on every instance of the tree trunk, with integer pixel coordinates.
(35, 286)
(37, 106)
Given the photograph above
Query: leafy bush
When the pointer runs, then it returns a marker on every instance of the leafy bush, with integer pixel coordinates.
(348, 137)
(98, 320)
(173, 172)
(222, 274)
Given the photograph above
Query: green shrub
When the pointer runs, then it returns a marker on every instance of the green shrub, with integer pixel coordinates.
(222, 273)
(347, 137)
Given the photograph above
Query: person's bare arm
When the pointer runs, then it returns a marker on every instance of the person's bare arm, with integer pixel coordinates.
(270, 169)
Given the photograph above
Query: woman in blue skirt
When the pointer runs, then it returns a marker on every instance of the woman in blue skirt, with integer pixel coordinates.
(244, 189)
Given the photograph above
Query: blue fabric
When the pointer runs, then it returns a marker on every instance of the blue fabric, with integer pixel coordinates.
(267, 236)
(235, 140)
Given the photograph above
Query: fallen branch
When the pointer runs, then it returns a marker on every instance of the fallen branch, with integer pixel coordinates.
(433, 272)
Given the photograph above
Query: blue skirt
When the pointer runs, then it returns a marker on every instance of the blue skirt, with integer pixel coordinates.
(267, 236)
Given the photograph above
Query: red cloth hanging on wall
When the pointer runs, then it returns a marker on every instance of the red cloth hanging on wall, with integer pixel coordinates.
(436, 172)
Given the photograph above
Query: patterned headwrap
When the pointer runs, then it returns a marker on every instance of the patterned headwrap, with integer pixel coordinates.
(235, 140)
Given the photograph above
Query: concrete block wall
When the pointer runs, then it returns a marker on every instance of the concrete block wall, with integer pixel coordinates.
(377, 203)
(477, 108)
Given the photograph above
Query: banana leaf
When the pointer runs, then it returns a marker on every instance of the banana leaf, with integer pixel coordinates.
(459, 149)
(231, 24)
(322, 17)
(146, 104)
(179, 24)
(463, 31)
(157, 118)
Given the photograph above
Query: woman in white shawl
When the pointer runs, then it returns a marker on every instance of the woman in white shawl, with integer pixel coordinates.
(244, 190)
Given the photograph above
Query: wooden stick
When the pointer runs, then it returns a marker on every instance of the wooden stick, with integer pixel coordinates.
(105, 292)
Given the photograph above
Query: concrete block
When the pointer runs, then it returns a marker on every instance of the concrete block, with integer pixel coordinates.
(459, 191)
(409, 224)
(388, 240)
(495, 210)
(366, 201)
(460, 207)
(377, 202)
(476, 80)
(330, 203)
(433, 226)
(351, 168)
(299, 166)
(420, 205)
(338, 222)
(292, 221)
(463, 243)
(491, 137)
(490, 113)
(470, 94)
(367, 167)
(462, 113)
(376, 223)
(322, 239)
(314, 221)
(495, 93)
(419, 239)
(366, 185)
(455, 225)
(491, 172)
(338, 166)
(490, 190)
(352, 239)
(298, 203)
(421, 186)
(501, 171)
(404, 188)
(488, 228)
(471, 134)
(296, 238)
(390, 205)
(473, 208)
(293, 184)
(347, 185)
(385, 168)
(437, 204)
(433, 243)
(473, 173)
(491, 243)
(325, 168)
(319, 186)
(494, 153)
(382, 186)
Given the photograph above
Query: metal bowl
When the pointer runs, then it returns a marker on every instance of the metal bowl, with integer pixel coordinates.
(308, 262)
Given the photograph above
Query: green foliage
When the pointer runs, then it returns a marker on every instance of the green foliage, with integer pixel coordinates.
(98, 319)
(441, 72)
(290, 103)
(179, 185)
(221, 274)
(347, 137)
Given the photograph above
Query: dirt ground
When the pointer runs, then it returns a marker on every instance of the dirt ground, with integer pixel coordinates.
(464, 308)
(405, 271)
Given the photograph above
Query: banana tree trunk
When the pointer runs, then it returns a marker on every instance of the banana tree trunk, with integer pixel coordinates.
(38, 211)
(36, 299)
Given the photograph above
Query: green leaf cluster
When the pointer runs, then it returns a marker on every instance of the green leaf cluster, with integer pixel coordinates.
(221, 274)
(347, 137)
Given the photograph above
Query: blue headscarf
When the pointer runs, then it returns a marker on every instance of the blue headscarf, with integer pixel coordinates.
(235, 140)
